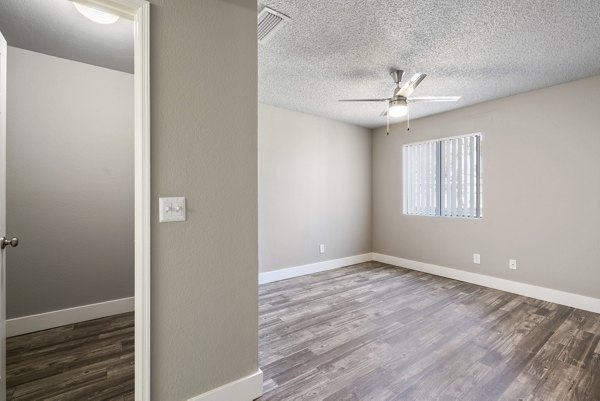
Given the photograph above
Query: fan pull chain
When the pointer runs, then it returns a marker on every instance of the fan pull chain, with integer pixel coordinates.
(388, 121)
(407, 118)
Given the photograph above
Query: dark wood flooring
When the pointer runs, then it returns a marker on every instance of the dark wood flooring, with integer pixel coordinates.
(377, 332)
(92, 360)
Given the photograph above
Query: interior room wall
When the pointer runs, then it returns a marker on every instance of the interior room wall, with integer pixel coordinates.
(69, 183)
(540, 182)
(314, 178)
(204, 147)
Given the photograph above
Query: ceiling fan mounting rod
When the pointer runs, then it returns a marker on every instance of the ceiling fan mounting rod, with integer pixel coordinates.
(397, 76)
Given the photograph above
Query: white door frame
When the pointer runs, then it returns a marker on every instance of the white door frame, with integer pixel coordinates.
(3, 90)
(139, 12)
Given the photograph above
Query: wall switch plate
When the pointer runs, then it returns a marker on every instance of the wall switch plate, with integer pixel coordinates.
(322, 248)
(171, 209)
(476, 258)
(512, 264)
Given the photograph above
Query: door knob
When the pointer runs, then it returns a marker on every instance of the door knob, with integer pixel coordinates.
(4, 242)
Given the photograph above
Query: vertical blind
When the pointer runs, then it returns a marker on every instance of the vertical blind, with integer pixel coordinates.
(442, 177)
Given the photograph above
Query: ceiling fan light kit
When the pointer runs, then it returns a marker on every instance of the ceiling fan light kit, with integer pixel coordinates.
(397, 108)
(398, 103)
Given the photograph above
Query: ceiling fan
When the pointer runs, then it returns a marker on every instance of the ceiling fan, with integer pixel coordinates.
(398, 103)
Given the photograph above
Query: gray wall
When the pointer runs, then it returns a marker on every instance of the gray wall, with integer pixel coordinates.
(540, 190)
(69, 183)
(204, 147)
(314, 178)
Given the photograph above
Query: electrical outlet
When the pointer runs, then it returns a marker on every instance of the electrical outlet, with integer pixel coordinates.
(321, 248)
(476, 258)
(512, 264)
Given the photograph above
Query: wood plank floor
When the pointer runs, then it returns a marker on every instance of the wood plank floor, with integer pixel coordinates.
(92, 360)
(376, 332)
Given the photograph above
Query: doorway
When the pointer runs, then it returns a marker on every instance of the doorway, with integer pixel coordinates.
(136, 11)
(69, 200)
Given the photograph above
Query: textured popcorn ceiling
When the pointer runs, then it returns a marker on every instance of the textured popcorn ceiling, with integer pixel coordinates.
(480, 50)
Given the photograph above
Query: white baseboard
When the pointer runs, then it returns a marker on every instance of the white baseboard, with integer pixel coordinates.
(528, 290)
(245, 389)
(48, 320)
(296, 271)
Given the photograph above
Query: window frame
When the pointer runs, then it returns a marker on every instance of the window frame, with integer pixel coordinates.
(439, 179)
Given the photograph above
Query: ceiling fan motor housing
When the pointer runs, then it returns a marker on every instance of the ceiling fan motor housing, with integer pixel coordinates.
(398, 101)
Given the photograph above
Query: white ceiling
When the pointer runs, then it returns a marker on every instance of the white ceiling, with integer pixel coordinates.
(56, 28)
(479, 49)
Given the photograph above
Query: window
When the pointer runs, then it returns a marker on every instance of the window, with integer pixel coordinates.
(442, 177)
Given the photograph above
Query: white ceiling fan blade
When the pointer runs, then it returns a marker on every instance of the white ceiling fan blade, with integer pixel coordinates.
(363, 100)
(409, 87)
(423, 99)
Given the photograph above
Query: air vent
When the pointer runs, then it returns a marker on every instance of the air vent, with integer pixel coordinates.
(269, 22)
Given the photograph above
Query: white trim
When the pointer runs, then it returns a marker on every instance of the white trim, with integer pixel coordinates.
(141, 11)
(302, 270)
(245, 389)
(528, 290)
(3, 89)
(62, 317)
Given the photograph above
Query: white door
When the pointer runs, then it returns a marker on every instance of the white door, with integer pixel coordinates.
(2, 217)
